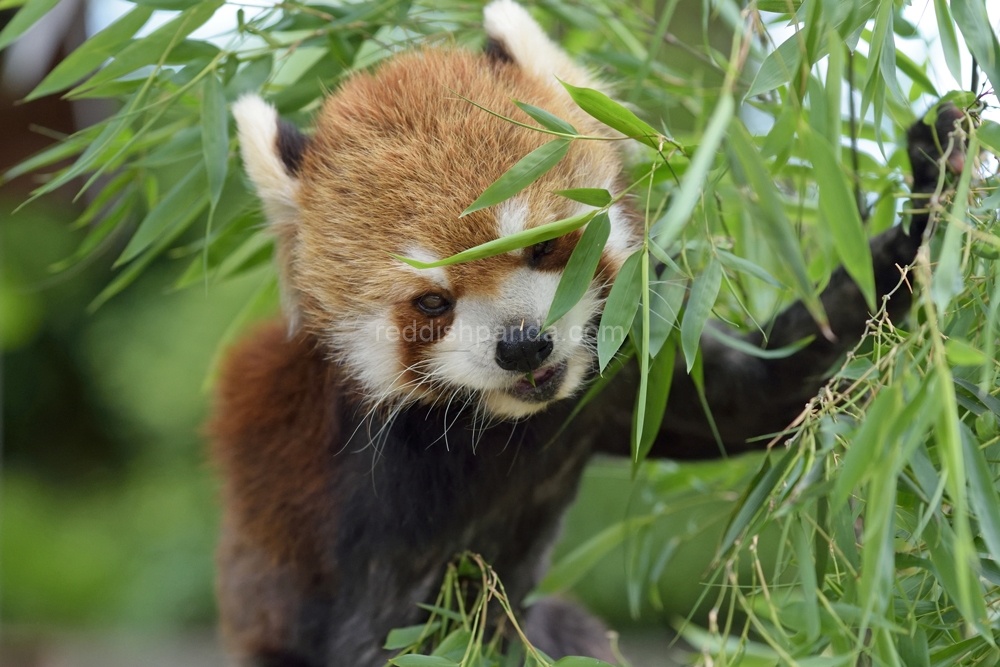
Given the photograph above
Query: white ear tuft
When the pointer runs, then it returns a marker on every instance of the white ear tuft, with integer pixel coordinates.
(526, 43)
(258, 129)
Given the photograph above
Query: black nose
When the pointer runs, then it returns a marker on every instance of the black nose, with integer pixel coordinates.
(523, 348)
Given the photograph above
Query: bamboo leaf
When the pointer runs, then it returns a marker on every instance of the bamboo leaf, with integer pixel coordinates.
(546, 119)
(580, 268)
(152, 47)
(214, 137)
(92, 53)
(598, 197)
(683, 203)
(581, 560)
(619, 310)
(949, 40)
(661, 374)
(25, 17)
(523, 239)
(704, 292)
(614, 115)
(527, 170)
(753, 351)
(754, 498)
(977, 28)
(184, 201)
(773, 223)
(743, 265)
(840, 214)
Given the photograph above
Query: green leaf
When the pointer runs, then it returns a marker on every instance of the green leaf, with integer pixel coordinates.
(840, 214)
(684, 201)
(666, 297)
(184, 201)
(867, 445)
(758, 352)
(152, 47)
(982, 493)
(214, 136)
(546, 119)
(457, 641)
(576, 661)
(581, 560)
(523, 239)
(403, 637)
(704, 292)
(598, 197)
(422, 661)
(976, 27)
(947, 281)
(770, 217)
(661, 375)
(614, 115)
(743, 265)
(580, 268)
(619, 310)
(989, 136)
(777, 68)
(807, 576)
(26, 17)
(755, 497)
(527, 170)
(92, 53)
(949, 40)
(169, 5)
(961, 353)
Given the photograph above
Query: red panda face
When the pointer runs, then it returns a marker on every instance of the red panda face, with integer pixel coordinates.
(395, 159)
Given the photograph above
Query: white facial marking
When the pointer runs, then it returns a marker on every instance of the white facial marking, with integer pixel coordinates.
(622, 241)
(437, 274)
(511, 218)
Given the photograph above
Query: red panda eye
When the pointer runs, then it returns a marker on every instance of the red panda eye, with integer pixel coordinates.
(433, 304)
(539, 250)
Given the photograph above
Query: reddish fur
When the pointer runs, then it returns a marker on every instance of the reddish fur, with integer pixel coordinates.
(277, 405)
(406, 120)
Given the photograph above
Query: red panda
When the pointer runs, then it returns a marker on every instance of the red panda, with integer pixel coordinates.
(388, 422)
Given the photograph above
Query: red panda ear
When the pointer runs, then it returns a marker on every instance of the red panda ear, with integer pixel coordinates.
(272, 152)
(513, 36)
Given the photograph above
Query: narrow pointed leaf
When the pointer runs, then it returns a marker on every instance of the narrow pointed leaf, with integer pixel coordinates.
(184, 201)
(527, 170)
(840, 214)
(151, 48)
(980, 36)
(598, 197)
(770, 217)
(619, 310)
(214, 136)
(949, 40)
(704, 292)
(546, 119)
(614, 115)
(507, 243)
(661, 375)
(26, 17)
(579, 271)
(692, 184)
(92, 53)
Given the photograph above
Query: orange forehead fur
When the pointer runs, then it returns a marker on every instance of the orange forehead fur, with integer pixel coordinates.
(395, 159)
